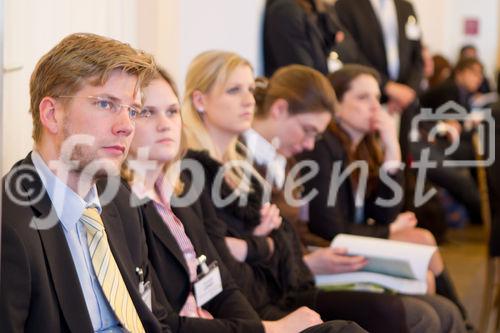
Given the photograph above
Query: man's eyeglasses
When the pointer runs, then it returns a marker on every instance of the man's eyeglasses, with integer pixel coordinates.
(109, 105)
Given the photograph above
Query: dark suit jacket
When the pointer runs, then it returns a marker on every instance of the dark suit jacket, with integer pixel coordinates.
(494, 187)
(360, 20)
(40, 290)
(291, 36)
(326, 220)
(275, 285)
(232, 311)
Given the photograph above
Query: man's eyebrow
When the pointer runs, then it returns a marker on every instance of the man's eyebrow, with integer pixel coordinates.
(108, 96)
(117, 100)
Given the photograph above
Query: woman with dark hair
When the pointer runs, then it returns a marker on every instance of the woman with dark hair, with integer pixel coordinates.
(442, 70)
(176, 236)
(362, 144)
(262, 250)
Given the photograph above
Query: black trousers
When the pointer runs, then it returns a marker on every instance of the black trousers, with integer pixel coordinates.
(373, 312)
(376, 313)
(337, 326)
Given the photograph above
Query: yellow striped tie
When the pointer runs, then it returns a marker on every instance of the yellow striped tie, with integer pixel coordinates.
(107, 272)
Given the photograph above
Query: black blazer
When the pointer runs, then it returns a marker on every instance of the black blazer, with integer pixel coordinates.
(326, 220)
(231, 310)
(40, 290)
(360, 20)
(272, 284)
(494, 187)
(291, 36)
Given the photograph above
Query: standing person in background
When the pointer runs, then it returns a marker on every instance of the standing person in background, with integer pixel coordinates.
(297, 32)
(388, 39)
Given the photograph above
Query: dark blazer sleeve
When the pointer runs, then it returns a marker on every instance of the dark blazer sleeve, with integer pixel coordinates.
(256, 280)
(15, 290)
(494, 187)
(362, 24)
(231, 310)
(287, 39)
(385, 215)
(349, 15)
(257, 248)
(412, 64)
(329, 220)
(231, 305)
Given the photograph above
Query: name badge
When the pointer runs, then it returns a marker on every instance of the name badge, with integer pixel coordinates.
(334, 63)
(412, 30)
(209, 282)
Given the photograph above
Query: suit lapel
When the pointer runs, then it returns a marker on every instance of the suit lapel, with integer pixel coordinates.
(372, 20)
(314, 30)
(162, 232)
(335, 147)
(402, 20)
(60, 262)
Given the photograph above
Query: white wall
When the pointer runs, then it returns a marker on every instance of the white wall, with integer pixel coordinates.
(177, 30)
(32, 27)
(182, 29)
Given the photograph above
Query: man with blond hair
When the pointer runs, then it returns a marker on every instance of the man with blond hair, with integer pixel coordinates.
(74, 257)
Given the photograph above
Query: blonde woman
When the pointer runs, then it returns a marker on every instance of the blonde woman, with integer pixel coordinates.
(269, 267)
(176, 236)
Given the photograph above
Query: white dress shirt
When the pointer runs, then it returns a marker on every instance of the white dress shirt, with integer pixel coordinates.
(69, 207)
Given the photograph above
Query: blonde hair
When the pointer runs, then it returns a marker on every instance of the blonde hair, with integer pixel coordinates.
(172, 175)
(208, 70)
(76, 59)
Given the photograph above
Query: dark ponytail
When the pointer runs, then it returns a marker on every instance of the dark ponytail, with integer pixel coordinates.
(305, 90)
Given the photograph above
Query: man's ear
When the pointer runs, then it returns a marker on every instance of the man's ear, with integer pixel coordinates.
(279, 109)
(49, 117)
(198, 100)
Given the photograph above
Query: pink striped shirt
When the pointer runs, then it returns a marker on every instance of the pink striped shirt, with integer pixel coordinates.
(189, 309)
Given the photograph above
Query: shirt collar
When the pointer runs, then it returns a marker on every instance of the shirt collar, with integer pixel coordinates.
(68, 205)
(162, 187)
(264, 153)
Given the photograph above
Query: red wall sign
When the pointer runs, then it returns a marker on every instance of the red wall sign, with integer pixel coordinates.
(471, 27)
